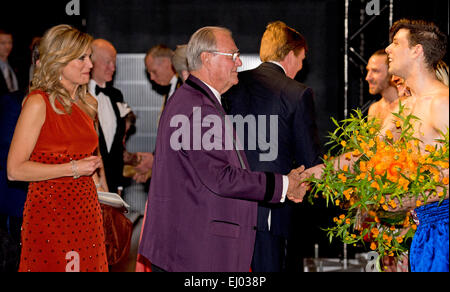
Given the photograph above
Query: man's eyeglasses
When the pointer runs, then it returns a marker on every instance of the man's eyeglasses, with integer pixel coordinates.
(233, 55)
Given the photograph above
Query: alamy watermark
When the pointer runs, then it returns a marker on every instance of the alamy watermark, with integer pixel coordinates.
(373, 7)
(73, 264)
(209, 133)
(73, 8)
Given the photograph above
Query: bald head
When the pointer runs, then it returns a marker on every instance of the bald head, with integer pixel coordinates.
(101, 44)
(104, 61)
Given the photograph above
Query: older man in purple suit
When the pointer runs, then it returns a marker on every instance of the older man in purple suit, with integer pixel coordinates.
(202, 205)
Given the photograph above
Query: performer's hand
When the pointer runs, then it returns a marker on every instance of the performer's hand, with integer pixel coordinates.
(315, 171)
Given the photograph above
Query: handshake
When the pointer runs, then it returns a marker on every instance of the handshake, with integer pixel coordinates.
(297, 187)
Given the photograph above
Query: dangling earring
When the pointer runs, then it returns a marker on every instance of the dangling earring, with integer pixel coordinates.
(60, 78)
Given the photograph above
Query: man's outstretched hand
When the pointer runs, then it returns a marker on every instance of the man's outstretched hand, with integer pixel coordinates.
(297, 188)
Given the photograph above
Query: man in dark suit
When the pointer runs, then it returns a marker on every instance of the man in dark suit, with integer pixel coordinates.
(202, 206)
(12, 194)
(111, 112)
(158, 62)
(270, 90)
(8, 79)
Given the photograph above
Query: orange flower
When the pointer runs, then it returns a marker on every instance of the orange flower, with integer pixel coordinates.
(375, 232)
(429, 148)
(394, 169)
(348, 156)
(418, 203)
(445, 180)
(373, 246)
(342, 177)
(389, 135)
(347, 193)
(345, 168)
(393, 204)
(399, 239)
(363, 166)
(375, 185)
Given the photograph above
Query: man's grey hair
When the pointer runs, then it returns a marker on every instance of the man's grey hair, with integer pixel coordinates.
(203, 40)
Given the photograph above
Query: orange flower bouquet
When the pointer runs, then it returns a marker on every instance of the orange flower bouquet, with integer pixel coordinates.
(381, 171)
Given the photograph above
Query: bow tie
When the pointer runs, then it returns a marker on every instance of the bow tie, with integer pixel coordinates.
(99, 89)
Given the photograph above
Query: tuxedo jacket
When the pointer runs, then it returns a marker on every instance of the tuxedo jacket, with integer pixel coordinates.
(3, 87)
(267, 91)
(202, 204)
(113, 160)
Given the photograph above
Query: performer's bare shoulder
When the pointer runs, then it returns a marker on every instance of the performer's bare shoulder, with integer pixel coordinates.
(433, 113)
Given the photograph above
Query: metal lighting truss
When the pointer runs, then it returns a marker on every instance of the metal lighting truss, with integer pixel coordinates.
(353, 53)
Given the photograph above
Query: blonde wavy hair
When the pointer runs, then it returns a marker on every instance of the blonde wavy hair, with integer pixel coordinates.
(278, 40)
(60, 45)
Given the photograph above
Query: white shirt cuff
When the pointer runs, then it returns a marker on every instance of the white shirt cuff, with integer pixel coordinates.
(285, 188)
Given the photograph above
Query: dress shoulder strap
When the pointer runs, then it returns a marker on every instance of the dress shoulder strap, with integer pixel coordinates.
(34, 92)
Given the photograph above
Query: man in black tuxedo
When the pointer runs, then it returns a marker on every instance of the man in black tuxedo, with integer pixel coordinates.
(158, 62)
(8, 79)
(111, 112)
(270, 90)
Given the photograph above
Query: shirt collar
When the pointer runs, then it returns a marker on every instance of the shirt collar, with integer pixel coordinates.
(3, 64)
(276, 63)
(92, 85)
(173, 81)
(214, 91)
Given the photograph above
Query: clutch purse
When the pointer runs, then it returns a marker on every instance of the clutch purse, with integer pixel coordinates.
(113, 200)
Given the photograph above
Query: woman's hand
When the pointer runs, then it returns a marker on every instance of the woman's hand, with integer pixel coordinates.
(87, 166)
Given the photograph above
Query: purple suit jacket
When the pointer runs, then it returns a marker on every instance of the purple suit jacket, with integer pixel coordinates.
(202, 205)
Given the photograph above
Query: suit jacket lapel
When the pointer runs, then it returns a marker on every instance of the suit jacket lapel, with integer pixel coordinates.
(198, 85)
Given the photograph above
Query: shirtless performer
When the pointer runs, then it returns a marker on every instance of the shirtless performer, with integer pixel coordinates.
(383, 83)
(414, 53)
(416, 49)
(392, 89)
(413, 57)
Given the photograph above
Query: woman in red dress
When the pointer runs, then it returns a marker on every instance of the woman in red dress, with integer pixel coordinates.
(53, 148)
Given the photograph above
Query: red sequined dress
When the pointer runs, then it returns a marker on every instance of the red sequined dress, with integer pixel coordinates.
(62, 225)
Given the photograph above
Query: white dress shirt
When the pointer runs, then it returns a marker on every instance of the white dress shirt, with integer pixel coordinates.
(276, 63)
(106, 115)
(173, 86)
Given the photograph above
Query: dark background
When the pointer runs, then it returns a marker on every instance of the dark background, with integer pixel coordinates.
(134, 26)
